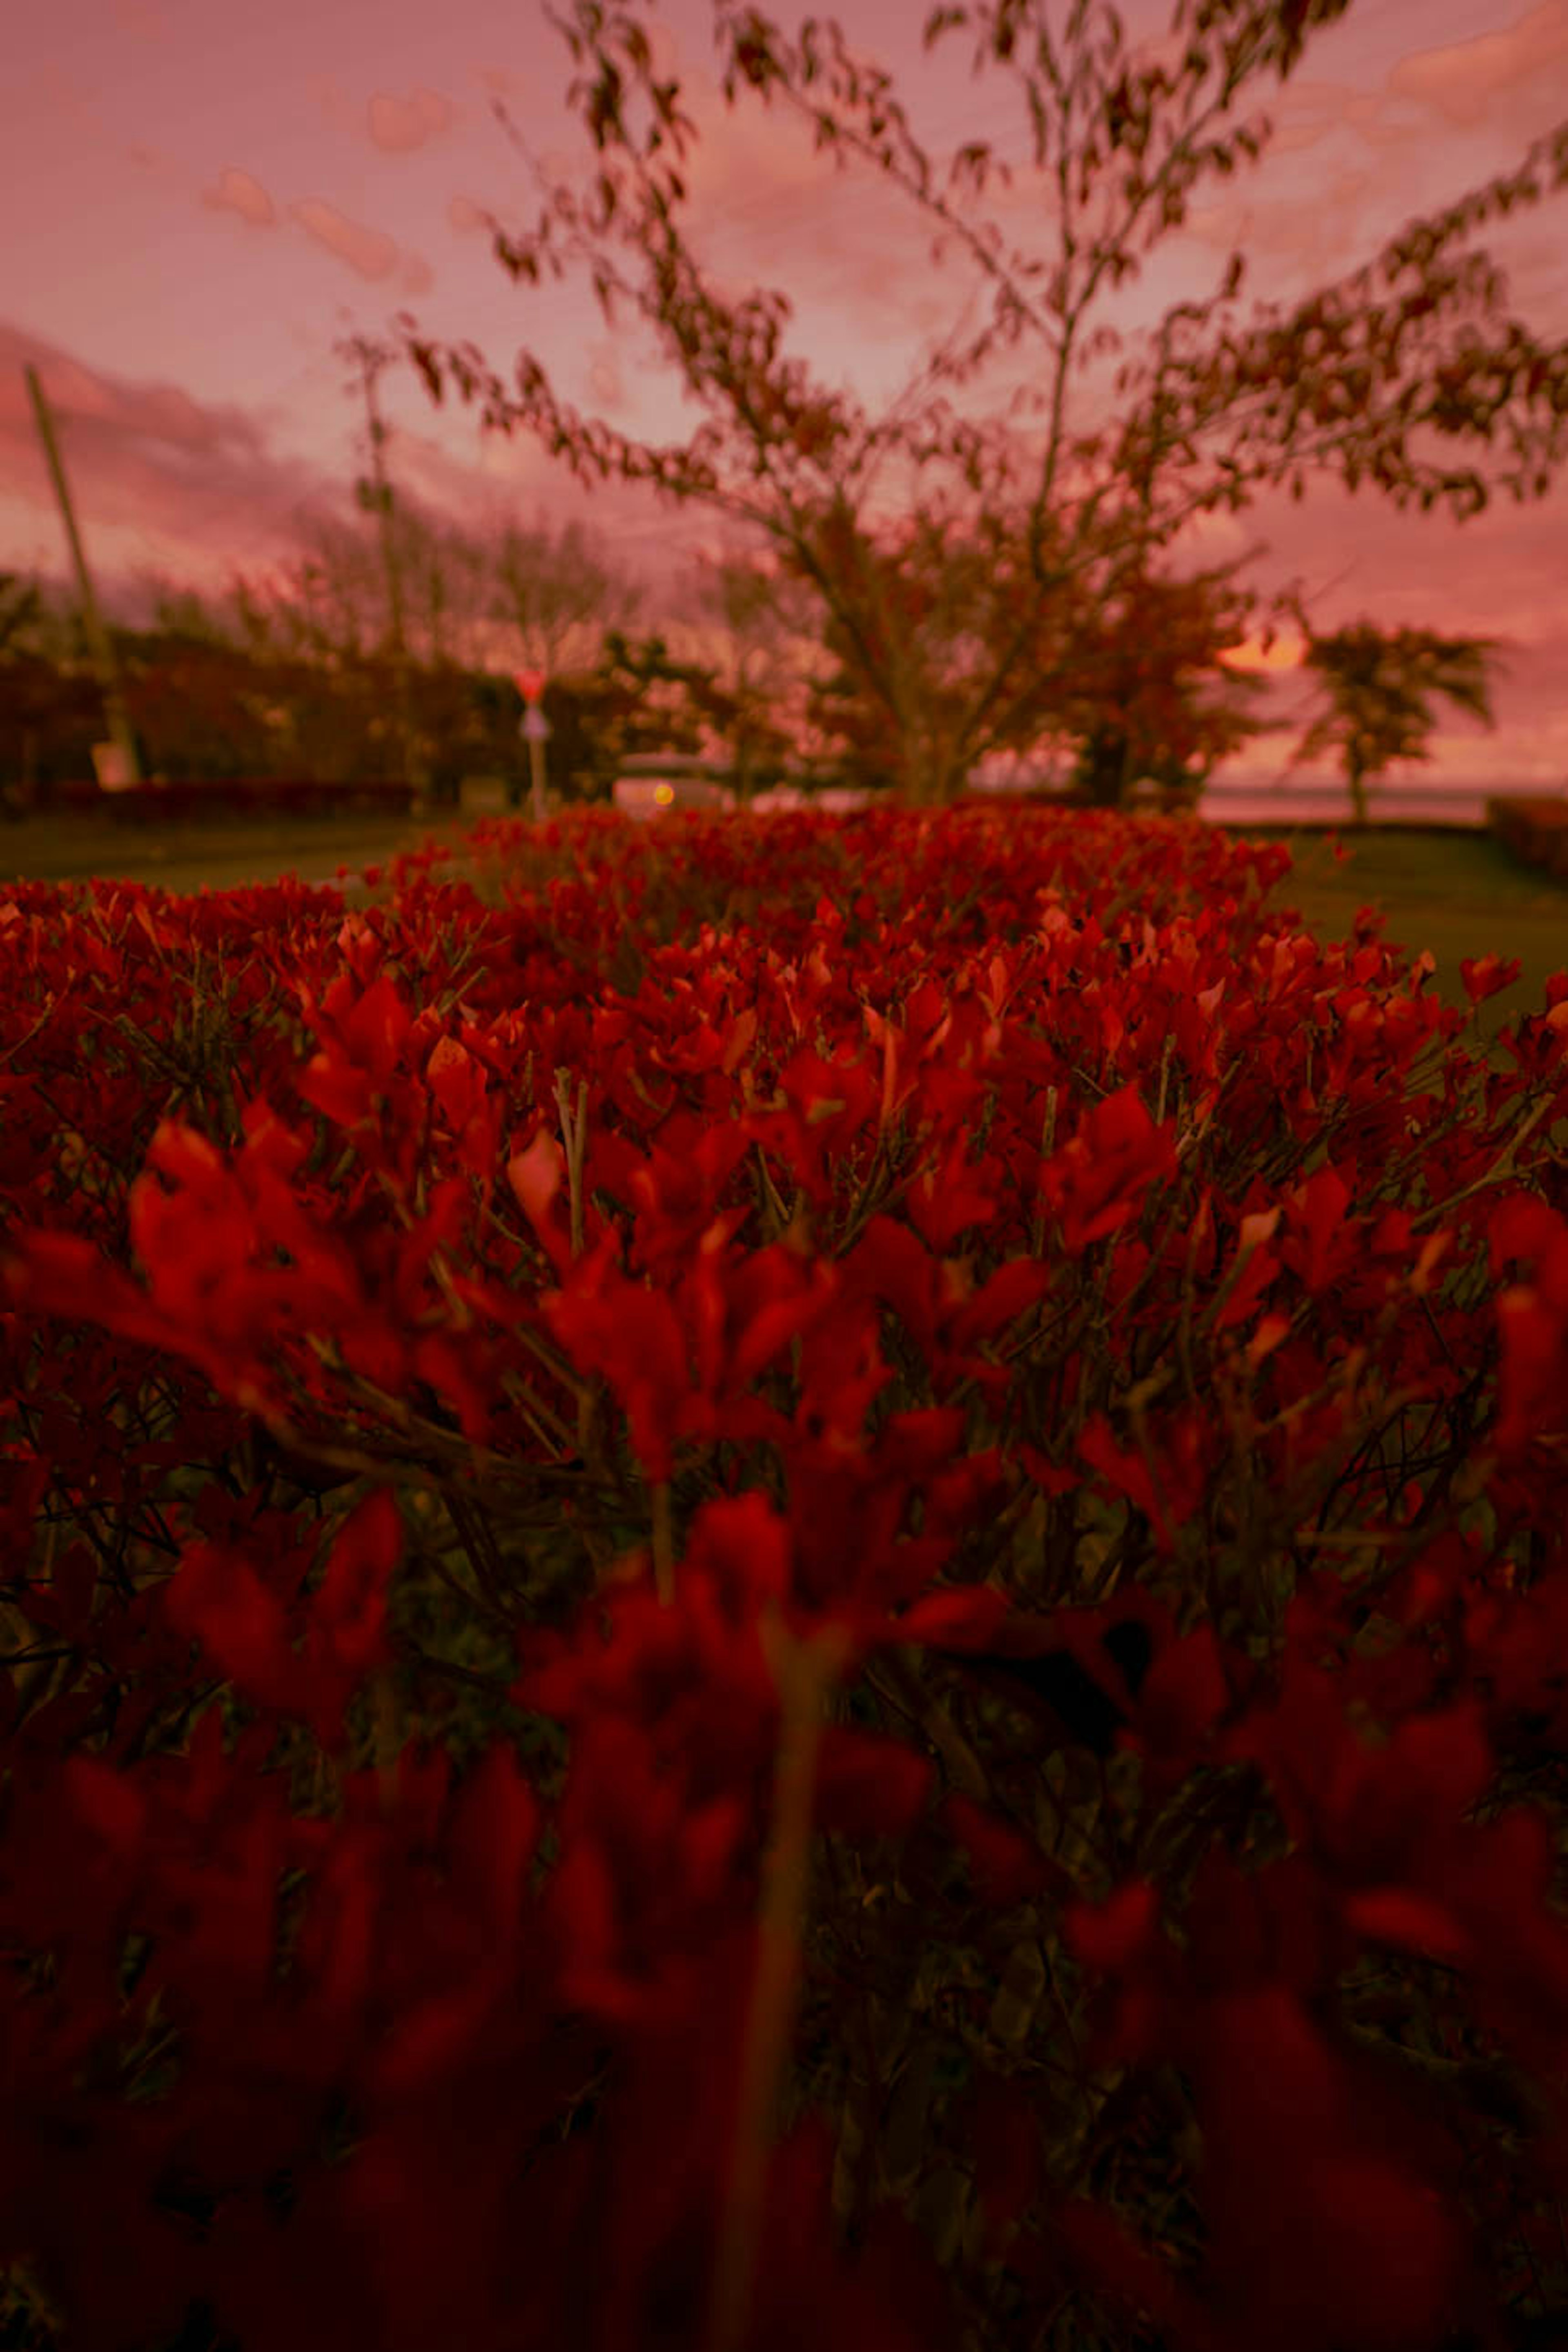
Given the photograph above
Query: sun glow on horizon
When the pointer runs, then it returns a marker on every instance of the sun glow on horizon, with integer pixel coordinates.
(1286, 652)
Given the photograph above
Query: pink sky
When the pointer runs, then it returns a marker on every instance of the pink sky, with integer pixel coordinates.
(212, 194)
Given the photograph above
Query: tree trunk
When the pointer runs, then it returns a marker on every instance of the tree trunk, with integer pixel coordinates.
(924, 776)
(1101, 769)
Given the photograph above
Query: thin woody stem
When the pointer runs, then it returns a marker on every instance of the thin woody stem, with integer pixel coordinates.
(805, 1672)
(663, 1543)
(574, 1135)
(388, 1743)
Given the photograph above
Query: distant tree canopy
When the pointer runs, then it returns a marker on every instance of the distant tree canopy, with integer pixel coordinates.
(209, 698)
(1342, 383)
(1378, 683)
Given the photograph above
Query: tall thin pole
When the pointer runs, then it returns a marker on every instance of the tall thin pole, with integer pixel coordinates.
(536, 773)
(536, 727)
(372, 358)
(97, 636)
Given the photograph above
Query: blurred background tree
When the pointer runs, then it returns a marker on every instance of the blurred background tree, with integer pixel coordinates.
(1378, 683)
(1338, 385)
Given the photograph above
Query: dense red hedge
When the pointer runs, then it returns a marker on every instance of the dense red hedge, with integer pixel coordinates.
(810, 1579)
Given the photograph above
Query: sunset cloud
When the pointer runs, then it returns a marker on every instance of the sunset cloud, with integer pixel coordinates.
(200, 410)
(1249, 656)
(1333, 237)
(604, 376)
(366, 250)
(147, 461)
(237, 192)
(143, 22)
(1463, 81)
(400, 125)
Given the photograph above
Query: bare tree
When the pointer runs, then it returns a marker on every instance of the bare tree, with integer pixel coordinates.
(155, 600)
(448, 577)
(1338, 385)
(559, 596)
(328, 604)
(761, 616)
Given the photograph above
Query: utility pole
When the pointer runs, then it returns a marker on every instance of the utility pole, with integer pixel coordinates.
(376, 496)
(97, 636)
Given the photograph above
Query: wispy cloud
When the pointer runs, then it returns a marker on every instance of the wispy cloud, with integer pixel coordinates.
(604, 379)
(141, 20)
(367, 250)
(147, 457)
(1468, 81)
(400, 125)
(237, 192)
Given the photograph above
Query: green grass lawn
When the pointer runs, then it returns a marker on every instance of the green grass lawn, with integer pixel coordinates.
(217, 855)
(1459, 894)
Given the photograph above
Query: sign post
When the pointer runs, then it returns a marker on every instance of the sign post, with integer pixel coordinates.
(113, 771)
(534, 730)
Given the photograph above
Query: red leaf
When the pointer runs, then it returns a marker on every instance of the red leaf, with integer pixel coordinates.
(1010, 1292)
(1006, 1866)
(335, 1087)
(1184, 1695)
(114, 1808)
(350, 1607)
(869, 1784)
(1097, 1182)
(536, 1176)
(217, 1599)
(944, 1202)
(1124, 1468)
(1409, 1921)
(494, 1835)
(1111, 1935)
(1316, 1210)
(457, 1081)
(1045, 1475)
(1488, 975)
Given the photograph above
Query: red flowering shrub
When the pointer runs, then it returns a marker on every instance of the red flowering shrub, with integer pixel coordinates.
(750, 1597)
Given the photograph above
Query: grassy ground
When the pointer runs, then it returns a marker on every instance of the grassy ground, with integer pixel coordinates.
(217, 855)
(1458, 893)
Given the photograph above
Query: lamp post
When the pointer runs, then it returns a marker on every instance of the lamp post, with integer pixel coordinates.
(534, 730)
(121, 740)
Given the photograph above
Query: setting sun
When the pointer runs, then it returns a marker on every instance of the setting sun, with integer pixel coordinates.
(1286, 653)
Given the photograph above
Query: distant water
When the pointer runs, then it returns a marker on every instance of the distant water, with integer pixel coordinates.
(1239, 803)
(1242, 799)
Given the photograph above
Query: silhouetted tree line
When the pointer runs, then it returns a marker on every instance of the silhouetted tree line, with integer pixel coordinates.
(205, 708)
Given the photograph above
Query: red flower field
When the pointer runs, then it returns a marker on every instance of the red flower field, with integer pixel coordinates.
(807, 1580)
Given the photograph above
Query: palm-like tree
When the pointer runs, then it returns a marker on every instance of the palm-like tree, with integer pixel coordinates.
(1378, 683)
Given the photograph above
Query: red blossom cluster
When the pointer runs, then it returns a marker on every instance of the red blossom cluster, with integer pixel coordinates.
(807, 1579)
